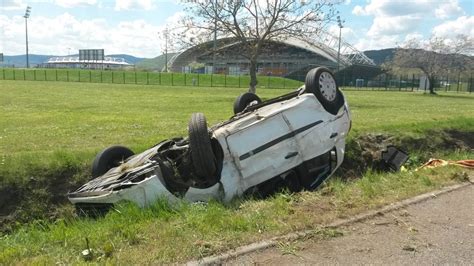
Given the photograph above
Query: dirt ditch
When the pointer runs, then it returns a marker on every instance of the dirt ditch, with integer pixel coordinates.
(43, 195)
(364, 152)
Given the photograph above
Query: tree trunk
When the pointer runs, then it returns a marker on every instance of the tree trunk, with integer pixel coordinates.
(253, 76)
(431, 82)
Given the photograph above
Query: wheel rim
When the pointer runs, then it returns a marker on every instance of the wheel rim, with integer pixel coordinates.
(327, 86)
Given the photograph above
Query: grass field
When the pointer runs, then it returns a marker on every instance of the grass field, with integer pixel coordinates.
(50, 131)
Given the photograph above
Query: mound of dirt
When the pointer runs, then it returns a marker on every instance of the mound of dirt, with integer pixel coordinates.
(365, 151)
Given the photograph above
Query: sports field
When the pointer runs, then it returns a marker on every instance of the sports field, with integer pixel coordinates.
(50, 131)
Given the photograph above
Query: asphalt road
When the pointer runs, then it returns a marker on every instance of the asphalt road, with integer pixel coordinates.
(433, 232)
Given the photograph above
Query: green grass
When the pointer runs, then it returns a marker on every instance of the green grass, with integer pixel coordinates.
(144, 78)
(161, 234)
(50, 131)
(43, 118)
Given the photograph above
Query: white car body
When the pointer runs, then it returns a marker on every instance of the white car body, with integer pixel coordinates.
(257, 146)
(297, 139)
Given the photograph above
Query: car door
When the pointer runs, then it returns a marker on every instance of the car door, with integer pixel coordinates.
(312, 127)
(264, 149)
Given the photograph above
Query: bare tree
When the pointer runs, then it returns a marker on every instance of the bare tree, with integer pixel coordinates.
(255, 22)
(435, 57)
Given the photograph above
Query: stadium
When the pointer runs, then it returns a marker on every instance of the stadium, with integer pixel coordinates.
(283, 57)
(75, 62)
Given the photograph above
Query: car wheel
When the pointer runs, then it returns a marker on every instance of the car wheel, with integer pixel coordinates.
(109, 158)
(202, 156)
(321, 82)
(244, 100)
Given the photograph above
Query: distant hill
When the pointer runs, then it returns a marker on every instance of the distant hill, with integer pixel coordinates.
(20, 60)
(380, 56)
(129, 58)
(157, 63)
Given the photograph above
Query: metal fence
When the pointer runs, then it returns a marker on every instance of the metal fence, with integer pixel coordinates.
(145, 78)
(458, 82)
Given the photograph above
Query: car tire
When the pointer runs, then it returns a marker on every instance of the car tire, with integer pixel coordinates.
(244, 100)
(202, 155)
(109, 158)
(321, 82)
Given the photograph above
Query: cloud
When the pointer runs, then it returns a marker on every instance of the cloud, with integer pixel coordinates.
(449, 9)
(12, 5)
(393, 8)
(363, 44)
(75, 3)
(393, 25)
(462, 25)
(359, 11)
(55, 35)
(401, 16)
(133, 4)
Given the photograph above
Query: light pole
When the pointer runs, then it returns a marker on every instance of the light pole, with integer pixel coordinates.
(166, 49)
(339, 23)
(26, 16)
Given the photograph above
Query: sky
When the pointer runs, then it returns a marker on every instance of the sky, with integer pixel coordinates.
(62, 27)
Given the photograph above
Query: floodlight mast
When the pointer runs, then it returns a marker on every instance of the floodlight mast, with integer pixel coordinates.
(166, 49)
(339, 23)
(26, 16)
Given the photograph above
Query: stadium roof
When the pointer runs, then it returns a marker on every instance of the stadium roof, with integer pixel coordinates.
(324, 44)
(75, 60)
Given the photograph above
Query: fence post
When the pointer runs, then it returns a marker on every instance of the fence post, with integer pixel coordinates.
(24, 74)
(459, 76)
(470, 84)
(56, 74)
(412, 81)
(101, 76)
(446, 83)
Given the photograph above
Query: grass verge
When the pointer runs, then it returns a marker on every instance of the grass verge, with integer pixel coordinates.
(163, 234)
(51, 131)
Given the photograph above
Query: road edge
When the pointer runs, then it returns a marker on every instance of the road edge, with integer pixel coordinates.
(261, 245)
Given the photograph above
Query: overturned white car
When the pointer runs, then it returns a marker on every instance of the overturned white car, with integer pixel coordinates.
(296, 140)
